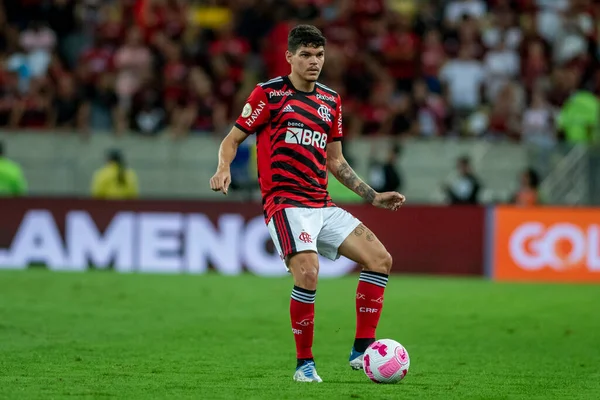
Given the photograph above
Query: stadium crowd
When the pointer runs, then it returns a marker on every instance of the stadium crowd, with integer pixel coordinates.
(516, 69)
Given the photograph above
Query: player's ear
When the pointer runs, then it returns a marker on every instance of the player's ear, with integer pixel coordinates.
(288, 56)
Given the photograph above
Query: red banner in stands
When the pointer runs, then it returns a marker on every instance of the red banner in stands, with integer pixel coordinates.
(194, 236)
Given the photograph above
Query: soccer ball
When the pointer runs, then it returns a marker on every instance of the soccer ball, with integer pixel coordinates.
(386, 361)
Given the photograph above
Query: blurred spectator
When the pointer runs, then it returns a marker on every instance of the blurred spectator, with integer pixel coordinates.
(538, 122)
(505, 115)
(70, 110)
(384, 175)
(165, 16)
(464, 188)
(430, 110)
(428, 17)
(38, 37)
(403, 122)
(96, 60)
(34, 108)
(115, 181)
(254, 21)
(433, 58)
(528, 193)
(200, 109)
(306, 11)
(399, 50)
(12, 180)
(456, 9)
(107, 23)
(579, 118)
(378, 52)
(229, 54)
(379, 116)
(133, 62)
(562, 82)
(502, 29)
(534, 64)
(147, 114)
(174, 18)
(467, 34)
(463, 80)
(9, 97)
(275, 45)
(175, 75)
(105, 114)
(33, 54)
(502, 64)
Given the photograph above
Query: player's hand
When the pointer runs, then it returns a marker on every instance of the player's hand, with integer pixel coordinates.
(220, 181)
(389, 200)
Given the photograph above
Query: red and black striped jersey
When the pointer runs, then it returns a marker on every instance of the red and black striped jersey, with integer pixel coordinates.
(292, 130)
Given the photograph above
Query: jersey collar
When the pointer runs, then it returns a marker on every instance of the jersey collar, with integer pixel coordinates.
(288, 81)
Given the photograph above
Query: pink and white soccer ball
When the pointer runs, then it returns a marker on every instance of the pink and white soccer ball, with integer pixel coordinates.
(386, 361)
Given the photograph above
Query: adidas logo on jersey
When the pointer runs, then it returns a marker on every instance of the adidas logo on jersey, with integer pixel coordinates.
(288, 108)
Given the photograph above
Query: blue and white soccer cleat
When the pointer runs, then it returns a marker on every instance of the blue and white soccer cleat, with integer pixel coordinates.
(356, 359)
(307, 373)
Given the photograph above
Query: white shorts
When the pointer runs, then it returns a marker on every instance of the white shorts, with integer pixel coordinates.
(322, 230)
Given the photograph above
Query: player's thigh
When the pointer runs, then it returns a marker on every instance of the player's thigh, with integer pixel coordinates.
(364, 248)
(337, 226)
(294, 232)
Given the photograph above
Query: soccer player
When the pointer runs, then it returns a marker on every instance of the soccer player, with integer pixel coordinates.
(298, 127)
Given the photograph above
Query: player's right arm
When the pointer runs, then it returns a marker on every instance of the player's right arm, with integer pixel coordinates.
(222, 178)
(254, 116)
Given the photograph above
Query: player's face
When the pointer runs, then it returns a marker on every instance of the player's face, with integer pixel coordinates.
(307, 62)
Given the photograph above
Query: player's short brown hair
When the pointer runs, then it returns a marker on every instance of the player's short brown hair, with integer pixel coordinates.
(305, 35)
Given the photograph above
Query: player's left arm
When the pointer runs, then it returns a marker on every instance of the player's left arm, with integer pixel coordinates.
(343, 172)
(339, 167)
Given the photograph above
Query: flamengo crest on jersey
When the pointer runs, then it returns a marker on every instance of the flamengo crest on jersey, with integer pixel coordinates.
(324, 113)
(293, 129)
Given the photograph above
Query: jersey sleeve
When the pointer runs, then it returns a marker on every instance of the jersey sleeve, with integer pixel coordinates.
(337, 132)
(255, 113)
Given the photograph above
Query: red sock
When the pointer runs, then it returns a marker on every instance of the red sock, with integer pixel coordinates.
(302, 312)
(369, 302)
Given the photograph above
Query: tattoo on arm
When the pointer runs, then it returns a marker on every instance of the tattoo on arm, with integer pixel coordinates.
(346, 175)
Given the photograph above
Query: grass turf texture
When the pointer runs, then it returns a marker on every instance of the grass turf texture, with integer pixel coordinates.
(103, 335)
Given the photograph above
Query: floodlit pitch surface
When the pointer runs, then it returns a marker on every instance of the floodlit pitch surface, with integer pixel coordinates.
(106, 335)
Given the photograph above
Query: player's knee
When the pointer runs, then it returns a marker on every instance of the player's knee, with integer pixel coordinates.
(382, 263)
(305, 269)
(310, 275)
(387, 263)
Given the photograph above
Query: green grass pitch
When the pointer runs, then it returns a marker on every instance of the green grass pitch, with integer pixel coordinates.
(101, 335)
